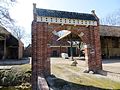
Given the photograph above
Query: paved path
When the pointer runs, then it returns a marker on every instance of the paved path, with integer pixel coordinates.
(111, 65)
(9, 63)
(14, 61)
(5, 67)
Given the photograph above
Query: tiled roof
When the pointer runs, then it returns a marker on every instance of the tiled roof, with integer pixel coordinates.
(64, 14)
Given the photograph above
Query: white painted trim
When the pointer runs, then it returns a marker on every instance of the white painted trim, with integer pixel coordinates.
(66, 21)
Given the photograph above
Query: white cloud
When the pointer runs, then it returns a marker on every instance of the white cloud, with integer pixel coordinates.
(22, 12)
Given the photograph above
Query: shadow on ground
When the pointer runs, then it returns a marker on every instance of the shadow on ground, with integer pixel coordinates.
(60, 84)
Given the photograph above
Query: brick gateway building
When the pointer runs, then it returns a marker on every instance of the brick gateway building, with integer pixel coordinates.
(46, 22)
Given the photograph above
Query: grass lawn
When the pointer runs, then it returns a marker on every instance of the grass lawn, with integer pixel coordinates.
(78, 80)
(24, 67)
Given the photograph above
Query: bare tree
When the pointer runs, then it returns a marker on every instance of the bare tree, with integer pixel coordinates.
(5, 18)
(27, 39)
(112, 19)
(7, 21)
(18, 32)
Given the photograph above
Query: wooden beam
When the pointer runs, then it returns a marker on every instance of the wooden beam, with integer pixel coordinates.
(71, 48)
(4, 55)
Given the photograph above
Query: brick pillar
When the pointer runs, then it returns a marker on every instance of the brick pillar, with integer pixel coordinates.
(97, 48)
(34, 58)
(40, 52)
(92, 50)
(43, 59)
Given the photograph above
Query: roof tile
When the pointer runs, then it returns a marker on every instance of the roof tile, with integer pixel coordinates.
(64, 14)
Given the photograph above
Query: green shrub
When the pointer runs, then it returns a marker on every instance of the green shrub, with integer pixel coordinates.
(14, 77)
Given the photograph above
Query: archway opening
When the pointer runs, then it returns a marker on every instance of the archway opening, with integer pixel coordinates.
(70, 42)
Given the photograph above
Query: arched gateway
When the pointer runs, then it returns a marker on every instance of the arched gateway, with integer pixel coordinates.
(46, 21)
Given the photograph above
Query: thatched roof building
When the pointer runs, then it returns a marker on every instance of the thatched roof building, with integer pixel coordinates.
(10, 46)
(113, 31)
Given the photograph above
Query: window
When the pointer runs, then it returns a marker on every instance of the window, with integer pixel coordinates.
(69, 21)
(81, 22)
(73, 21)
(115, 42)
(85, 22)
(60, 20)
(54, 53)
(56, 19)
(65, 20)
(89, 22)
(51, 19)
(78, 21)
(46, 19)
(41, 18)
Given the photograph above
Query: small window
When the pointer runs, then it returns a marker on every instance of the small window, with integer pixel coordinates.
(69, 21)
(82, 22)
(41, 18)
(56, 19)
(78, 21)
(60, 20)
(55, 53)
(73, 21)
(46, 19)
(85, 22)
(51, 19)
(65, 20)
(89, 22)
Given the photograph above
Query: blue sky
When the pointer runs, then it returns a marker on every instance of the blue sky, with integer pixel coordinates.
(22, 11)
(102, 7)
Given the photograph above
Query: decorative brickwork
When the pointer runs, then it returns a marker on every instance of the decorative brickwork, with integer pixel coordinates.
(42, 38)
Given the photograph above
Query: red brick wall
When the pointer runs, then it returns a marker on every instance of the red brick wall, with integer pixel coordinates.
(62, 49)
(42, 37)
(59, 50)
